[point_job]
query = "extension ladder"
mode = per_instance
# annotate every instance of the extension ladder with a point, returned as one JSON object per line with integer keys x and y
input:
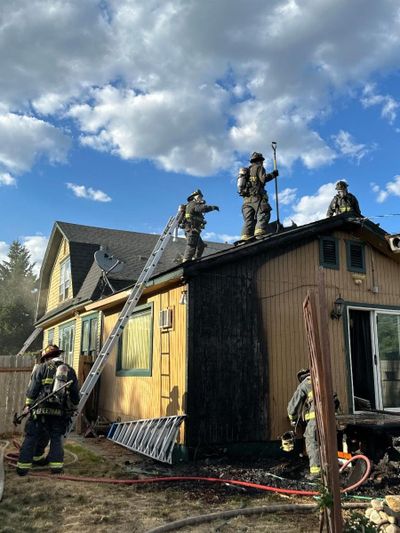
{"x": 154, "y": 437}
{"x": 126, "y": 312}
{"x": 29, "y": 340}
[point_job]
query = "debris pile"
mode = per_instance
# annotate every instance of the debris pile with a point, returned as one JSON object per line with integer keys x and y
{"x": 385, "y": 514}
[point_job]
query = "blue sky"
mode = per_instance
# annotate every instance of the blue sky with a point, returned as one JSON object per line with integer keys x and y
{"x": 112, "y": 112}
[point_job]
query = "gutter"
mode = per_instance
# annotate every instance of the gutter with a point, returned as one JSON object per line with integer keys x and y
{"x": 70, "y": 311}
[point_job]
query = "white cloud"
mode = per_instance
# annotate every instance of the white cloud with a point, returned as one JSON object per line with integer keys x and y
{"x": 347, "y": 147}
{"x": 24, "y": 139}
{"x": 4, "y": 247}
{"x": 388, "y": 103}
{"x": 286, "y": 196}
{"x": 392, "y": 188}
{"x": 36, "y": 244}
{"x": 312, "y": 207}
{"x": 188, "y": 85}
{"x": 7, "y": 179}
{"x": 87, "y": 192}
{"x": 219, "y": 237}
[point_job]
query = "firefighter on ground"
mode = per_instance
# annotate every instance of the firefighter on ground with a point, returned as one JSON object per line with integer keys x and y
{"x": 343, "y": 202}
{"x": 255, "y": 209}
{"x": 50, "y": 419}
{"x": 301, "y": 406}
{"x": 194, "y": 223}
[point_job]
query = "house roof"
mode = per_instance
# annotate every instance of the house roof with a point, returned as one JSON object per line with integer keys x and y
{"x": 132, "y": 248}
{"x": 278, "y": 243}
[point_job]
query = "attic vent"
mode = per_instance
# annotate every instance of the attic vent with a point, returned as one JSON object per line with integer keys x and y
{"x": 328, "y": 251}
{"x": 355, "y": 256}
{"x": 165, "y": 318}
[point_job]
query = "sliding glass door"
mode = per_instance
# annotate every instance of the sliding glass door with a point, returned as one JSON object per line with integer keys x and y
{"x": 388, "y": 353}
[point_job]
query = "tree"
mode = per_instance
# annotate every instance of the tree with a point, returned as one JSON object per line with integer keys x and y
{"x": 18, "y": 295}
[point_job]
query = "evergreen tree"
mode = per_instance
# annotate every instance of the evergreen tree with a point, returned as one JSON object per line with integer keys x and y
{"x": 18, "y": 295}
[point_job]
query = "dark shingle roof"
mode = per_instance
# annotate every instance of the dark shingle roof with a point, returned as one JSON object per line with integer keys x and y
{"x": 131, "y": 247}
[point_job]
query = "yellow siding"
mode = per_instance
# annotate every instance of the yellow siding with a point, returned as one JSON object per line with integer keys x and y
{"x": 53, "y": 294}
{"x": 163, "y": 393}
{"x": 283, "y": 283}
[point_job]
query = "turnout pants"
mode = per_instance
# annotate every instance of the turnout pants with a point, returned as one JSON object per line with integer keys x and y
{"x": 37, "y": 433}
{"x": 312, "y": 447}
{"x": 256, "y": 214}
{"x": 194, "y": 245}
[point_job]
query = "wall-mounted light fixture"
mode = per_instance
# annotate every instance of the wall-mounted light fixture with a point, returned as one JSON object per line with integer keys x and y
{"x": 183, "y": 298}
{"x": 338, "y": 307}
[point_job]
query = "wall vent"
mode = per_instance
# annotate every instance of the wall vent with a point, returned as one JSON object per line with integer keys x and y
{"x": 165, "y": 318}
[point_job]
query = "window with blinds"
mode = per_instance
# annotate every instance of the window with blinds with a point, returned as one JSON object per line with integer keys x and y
{"x": 135, "y": 347}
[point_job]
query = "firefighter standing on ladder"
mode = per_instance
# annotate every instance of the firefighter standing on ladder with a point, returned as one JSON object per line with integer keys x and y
{"x": 51, "y": 417}
{"x": 194, "y": 223}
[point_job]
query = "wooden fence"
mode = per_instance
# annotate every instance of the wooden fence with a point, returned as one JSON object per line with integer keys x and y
{"x": 15, "y": 372}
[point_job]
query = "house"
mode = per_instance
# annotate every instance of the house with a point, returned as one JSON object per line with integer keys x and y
{"x": 70, "y": 280}
{"x": 222, "y": 338}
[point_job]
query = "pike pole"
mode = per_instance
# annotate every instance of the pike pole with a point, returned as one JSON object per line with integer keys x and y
{"x": 273, "y": 144}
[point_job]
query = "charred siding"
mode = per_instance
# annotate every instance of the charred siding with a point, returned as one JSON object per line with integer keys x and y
{"x": 228, "y": 363}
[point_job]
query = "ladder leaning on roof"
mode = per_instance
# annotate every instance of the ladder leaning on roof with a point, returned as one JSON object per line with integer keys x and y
{"x": 29, "y": 340}
{"x": 126, "y": 312}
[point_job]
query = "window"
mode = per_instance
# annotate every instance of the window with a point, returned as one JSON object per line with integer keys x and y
{"x": 355, "y": 256}
{"x": 89, "y": 335}
{"x": 65, "y": 280}
{"x": 67, "y": 342}
{"x": 50, "y": 336}
{"x": 136, "y": 343}
{"x": 329, "y": 252}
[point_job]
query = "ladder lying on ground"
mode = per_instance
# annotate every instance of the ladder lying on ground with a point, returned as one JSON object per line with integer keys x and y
{"x": 154, "y": 437}
{"x": 126, "y": 312}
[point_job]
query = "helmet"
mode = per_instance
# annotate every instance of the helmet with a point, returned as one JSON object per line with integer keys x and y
{"x": 197, "y": 192}
{"x": 302, "y": 374}
{"x": 256, "y": 156}
{"x": 52, "y": 350}
{"x": 341, "y": 185}
{"x": 243, "y": 171}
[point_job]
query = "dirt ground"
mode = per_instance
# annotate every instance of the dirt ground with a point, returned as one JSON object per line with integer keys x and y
{"x": 33, "y": 504}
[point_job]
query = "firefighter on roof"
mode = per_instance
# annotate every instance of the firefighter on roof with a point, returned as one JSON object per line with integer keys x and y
{"x": 251, "y": 186}
{"x": 51, "y": 417}
{"x": 343, "y": 202}
{"x": 194, "y": 223}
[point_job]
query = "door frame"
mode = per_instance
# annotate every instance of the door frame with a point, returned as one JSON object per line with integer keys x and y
{"x": 372, "y": 309}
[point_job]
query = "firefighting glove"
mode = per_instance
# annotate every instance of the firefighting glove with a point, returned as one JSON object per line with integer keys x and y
{"x": 275, "y": 173}
{"x": 215, "y": 208}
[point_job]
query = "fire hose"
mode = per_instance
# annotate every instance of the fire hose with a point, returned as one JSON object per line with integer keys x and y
{"x": 11, "y": 457}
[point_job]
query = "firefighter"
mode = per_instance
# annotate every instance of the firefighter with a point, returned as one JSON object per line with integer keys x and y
{"x": 52, "y": 416}
{"x": 194, "y": 223}
{"x": 301, "y": 406}
{"x": 343, "y": 202}
{"x": 256, "y": 209}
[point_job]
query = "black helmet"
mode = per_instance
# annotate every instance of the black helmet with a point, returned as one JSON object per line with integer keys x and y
{"x": 256, "y": 156}
{"x": 302, "y": 374}
{"x": 197, "y": 192}
{"x": 341, "y": 185}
